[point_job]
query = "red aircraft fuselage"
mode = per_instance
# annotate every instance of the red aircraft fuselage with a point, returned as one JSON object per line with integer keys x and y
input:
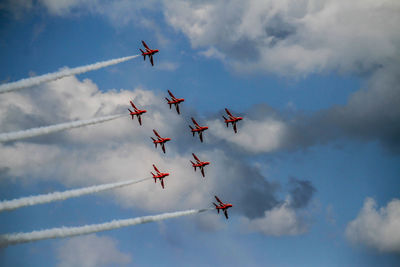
{"x": 222, "y": 206}
{"x": 200, "y": 164}
{"x": 176, "y": 101}
{"x": 150, "y": 52}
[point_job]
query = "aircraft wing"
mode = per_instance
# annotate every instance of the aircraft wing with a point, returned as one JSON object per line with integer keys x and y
{"x": 155, "y": 168}
{"x": 173, "y": 97}
{"x": 177, "y": 109}
{"x": 139, "y": 119}
{"x": 195, "y": 123}
{"x": 151, "y": 60}
{"x": 133, "y": 105}
{"x": 162, "y": 183}
{"x": 155, "y": 132}
{"x": 202, "y": 171}
{"x": 163, "y": 147}
{"x": 234, "y": 127}
{"x": 218, "y": 200}
{"x": 201, "y": 136}
{"x": 195, "y": 157}
{"x": 229, "y": 113}
{"x": 145, "y": 45}
{"x": 226, "y": 213}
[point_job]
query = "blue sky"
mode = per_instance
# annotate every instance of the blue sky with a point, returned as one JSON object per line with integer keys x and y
{"x": 319, "y": 135}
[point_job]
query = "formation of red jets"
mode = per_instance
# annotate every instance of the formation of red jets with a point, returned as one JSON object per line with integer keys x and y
{"x": 196, "y": 128}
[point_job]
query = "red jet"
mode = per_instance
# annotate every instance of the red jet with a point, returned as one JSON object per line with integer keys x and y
{"x": 198, "y": 129}
{"x": 232, "y": 119}
{"x": 175, "y": 101}
{"x": 222, "y": 206}
{"x": 159, "y": 175}
{"x": 137, "y": 112}
{"x": 199, "y": 164}
{"x": 149, "y": 52}
{"x": 160, "y": 140}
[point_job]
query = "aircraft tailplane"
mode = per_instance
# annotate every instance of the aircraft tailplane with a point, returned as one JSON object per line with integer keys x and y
{"x": 227, "y": 123}
{"x": 216, "y": 207}
{"x": 144, "y": 56}
{"x": 131, "y": 112}
{"x": 191, "y": 129}
{"x": 154, "y": 141}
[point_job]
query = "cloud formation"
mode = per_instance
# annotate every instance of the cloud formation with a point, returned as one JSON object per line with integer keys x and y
{"x": 377, "y": 228}
{"x": 91, "y": 251}
{"x": 291, "y": 38}
{"x": 281, "y": 220}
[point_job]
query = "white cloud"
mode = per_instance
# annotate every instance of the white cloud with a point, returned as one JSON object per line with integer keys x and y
{"x": 91, "y": 251}
{"x": 284, "y": 37}
{"x": 252, "y": 136}
{"x": 281, "y": 220}
{"x": 212, "y": 52}
{"x": 168, "y": 66}
{"x": 377, "y": 228}
{"x": 289, "y": 37}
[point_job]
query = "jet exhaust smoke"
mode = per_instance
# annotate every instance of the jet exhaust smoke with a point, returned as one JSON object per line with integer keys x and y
{"x": 13, "y": 136}
{"x": 55, "y": 196}
{"x": 28, "y": 82}
{"x": 16, "y": 238}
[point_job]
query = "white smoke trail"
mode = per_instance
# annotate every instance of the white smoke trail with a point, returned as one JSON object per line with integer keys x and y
{"x": 16, "y": 238}
{"x": 13, "y": 136}
{"x": 28, "y": 82}
{"x": 55, "y": 196}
